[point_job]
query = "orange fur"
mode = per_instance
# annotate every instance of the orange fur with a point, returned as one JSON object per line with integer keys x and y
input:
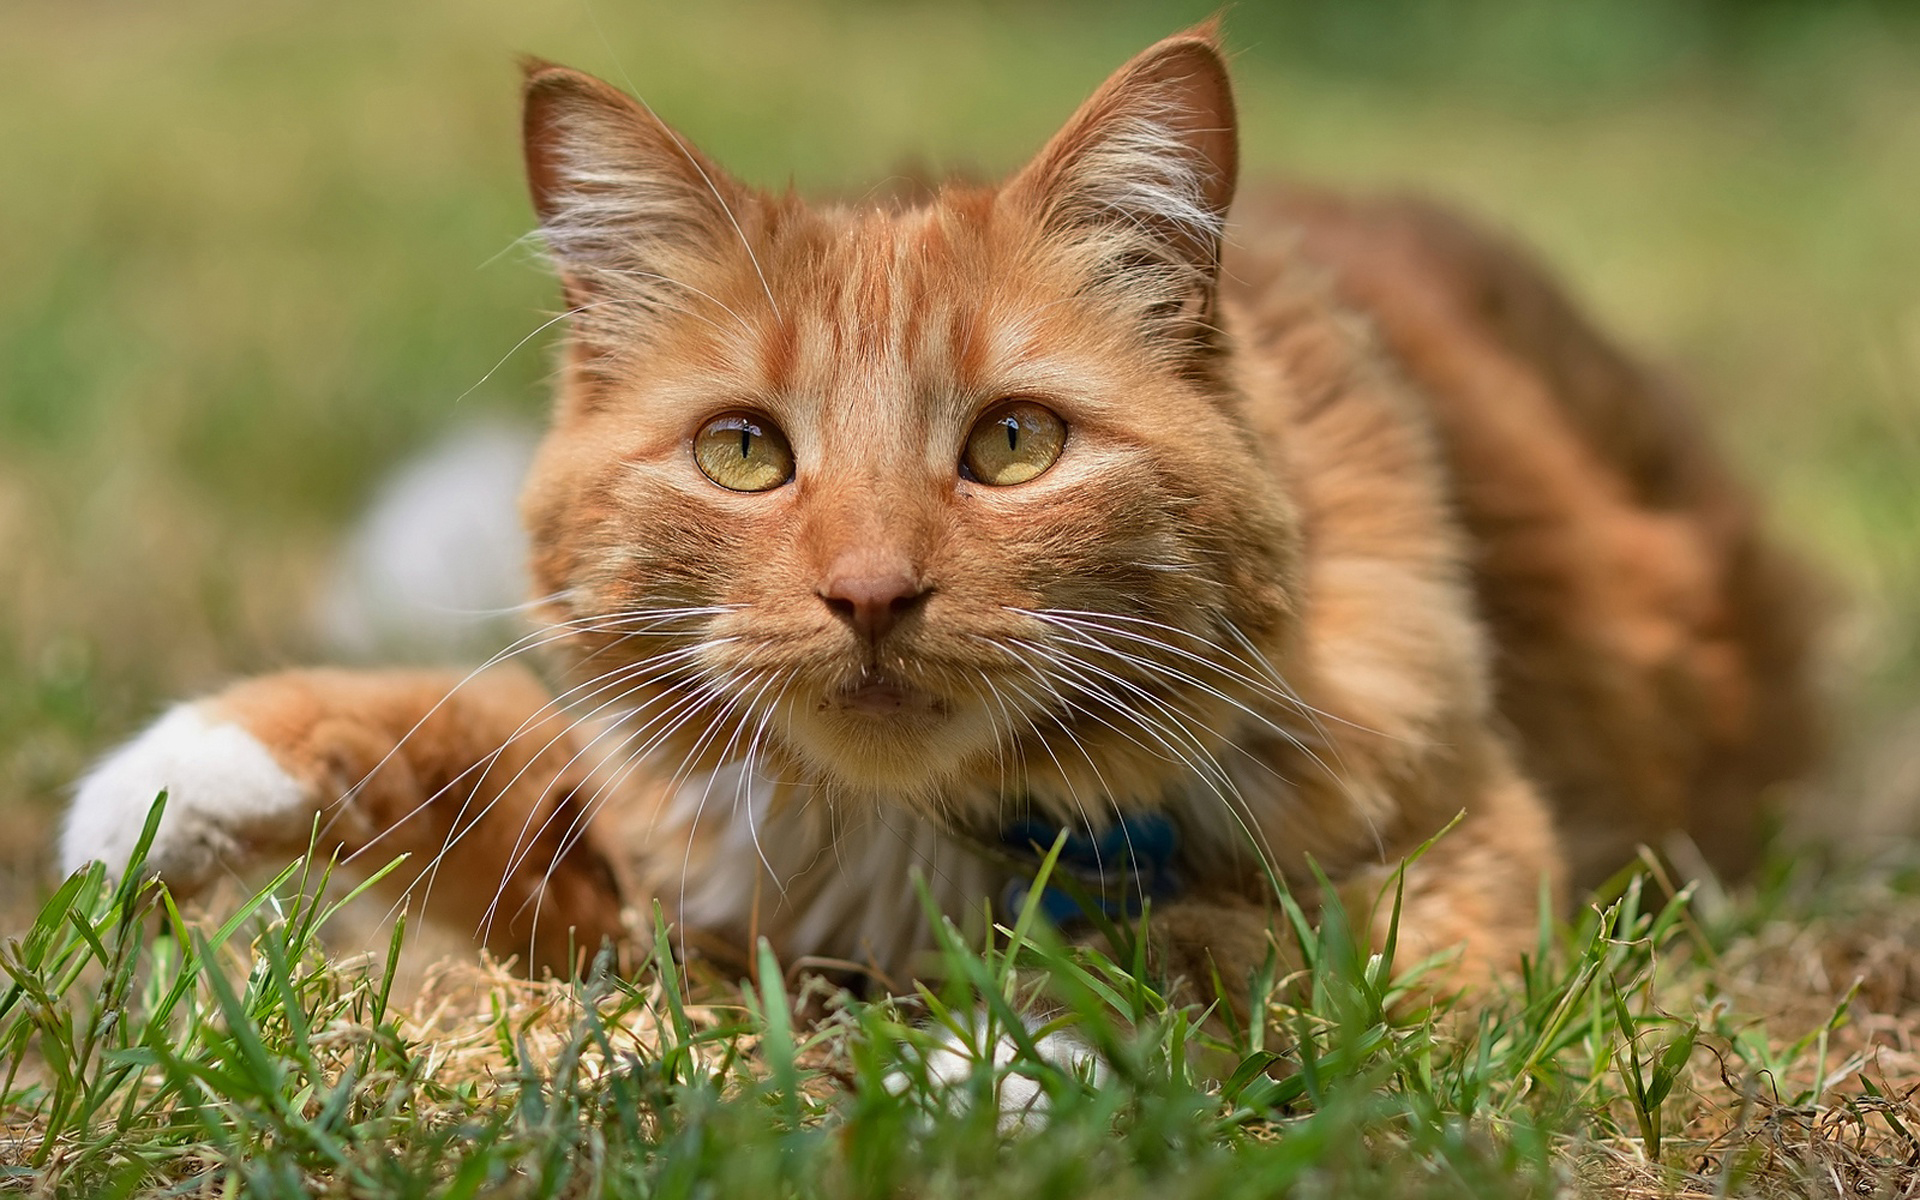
{"x": 1358, "y": 527}
{"x": 401, "y": 761}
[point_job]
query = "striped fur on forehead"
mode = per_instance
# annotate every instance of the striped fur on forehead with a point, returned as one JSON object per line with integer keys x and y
{"x": 865, "y": 292}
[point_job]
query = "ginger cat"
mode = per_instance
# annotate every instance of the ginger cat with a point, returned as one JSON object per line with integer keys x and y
{"x": 895, "y": 537}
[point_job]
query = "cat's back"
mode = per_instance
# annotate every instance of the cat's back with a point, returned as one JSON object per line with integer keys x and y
{"x": 1650, "y": 647}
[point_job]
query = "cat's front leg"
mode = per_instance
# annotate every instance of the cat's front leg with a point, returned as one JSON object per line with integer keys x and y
{"x": 481, "y": 780}
{"x": 1470, "y": 900}
{"x": 1475, "y": 894}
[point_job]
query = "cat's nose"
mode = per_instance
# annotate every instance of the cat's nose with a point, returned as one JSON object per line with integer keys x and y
{"x": 871, "y": 598}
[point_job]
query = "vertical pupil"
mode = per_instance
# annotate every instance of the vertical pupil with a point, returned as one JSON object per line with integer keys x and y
{"x": 746, "y": 439}
{"x": 1013, "y": 432}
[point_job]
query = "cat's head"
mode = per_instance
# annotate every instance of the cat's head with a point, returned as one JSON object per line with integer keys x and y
{"x": 929, "y": 502}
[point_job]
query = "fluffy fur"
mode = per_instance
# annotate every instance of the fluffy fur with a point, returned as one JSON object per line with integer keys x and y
{"x": 1358, "y": 529}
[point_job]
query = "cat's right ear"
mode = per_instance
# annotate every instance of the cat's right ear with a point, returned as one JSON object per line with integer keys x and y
{"x": 624, "y": 201}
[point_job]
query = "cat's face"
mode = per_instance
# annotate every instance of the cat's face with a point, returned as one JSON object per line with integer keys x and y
{"x": 929, "y": 503}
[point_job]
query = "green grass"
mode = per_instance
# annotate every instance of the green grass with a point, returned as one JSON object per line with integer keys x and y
{"x": 257, "y": 254}
{"x": 149, "y": 1053}
{"x": 242, "y": 1061}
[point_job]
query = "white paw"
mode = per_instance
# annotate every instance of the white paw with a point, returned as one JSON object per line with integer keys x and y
{"x": 220, "y": 781}
{"x": 1021, "y": 1099}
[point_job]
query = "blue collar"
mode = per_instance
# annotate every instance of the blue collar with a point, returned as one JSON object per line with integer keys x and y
{"x": 1129, "y": 863}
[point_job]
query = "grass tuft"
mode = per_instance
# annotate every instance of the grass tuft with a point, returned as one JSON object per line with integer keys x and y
{"x": 147, "y": 1051}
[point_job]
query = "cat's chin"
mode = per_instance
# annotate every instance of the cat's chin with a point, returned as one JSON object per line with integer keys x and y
{"x": 884, "y": 737}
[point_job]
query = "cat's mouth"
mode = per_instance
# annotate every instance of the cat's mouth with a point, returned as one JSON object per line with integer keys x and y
{"x": 878, "y": 694}
{"x": 883, "y": 733}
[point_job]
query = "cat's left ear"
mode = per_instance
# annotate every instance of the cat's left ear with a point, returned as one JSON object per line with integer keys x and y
{"x": 1144, "y": 173}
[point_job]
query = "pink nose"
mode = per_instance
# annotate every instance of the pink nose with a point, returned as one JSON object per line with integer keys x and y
{"x": 872, "y": 601}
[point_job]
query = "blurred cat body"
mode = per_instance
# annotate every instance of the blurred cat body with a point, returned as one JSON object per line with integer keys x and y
{"x": 1351, "y": 528}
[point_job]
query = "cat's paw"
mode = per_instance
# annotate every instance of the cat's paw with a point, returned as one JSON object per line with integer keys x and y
{"x": 1021, "y": 1099}
{"x": 220, "y": 782}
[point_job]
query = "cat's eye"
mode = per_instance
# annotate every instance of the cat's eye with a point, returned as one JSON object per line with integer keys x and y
{"x": 1015, "y": 441}
{"x": 743, "y": 452}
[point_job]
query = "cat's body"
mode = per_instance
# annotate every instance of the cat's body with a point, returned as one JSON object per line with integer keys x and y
{"x": 1299, "y": 550}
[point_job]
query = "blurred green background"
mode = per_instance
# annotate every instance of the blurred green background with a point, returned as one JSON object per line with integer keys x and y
{"x": 254, "y": 254}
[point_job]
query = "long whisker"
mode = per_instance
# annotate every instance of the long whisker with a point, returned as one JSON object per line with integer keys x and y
{"x": 1253, "y": 658}
{"x": 534, "y": 640}
{"x": 599, "y": 625}
{"x": 726, "y": 755}
{"x": 678, "y": 778}
{"x": 1079, "y": 621}
{"x": 1079, "y": 636}
{"x": 1073, "y": 793}
{"x": 539, "y": 329}
{"x": 1090, "y": 677}
{"x": 682, "y": 285}
{"x": 1172, "y": 735}
{"x": 651, "y": 672}
{"x": 683, "y": 708}
{"x": 746, "y": 783}
{"x": 1078, "y": 633}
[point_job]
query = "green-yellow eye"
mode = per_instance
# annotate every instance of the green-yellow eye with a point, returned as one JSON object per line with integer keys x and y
{"x": 743, "y": 453}
{"x": 1015, "y": 441}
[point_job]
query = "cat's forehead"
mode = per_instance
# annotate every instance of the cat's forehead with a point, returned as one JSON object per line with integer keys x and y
{"x": 898, "y": 306}
{"x": 869, "y": 289}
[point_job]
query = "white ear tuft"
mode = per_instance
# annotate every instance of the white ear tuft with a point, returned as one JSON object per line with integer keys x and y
{"x": 1145, "y": 171}
{"x": 624, "y": 201}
